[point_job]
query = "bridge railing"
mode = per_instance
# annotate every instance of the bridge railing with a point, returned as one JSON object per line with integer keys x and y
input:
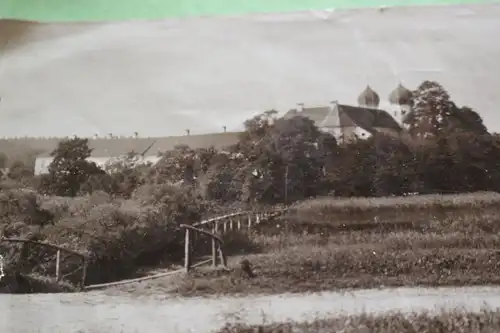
{"x": 239, "y": 221}
{"x": 59, "y": 250}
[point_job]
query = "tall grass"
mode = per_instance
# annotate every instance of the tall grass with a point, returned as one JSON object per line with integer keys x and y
{"x": 452, "y": 249}
{"x": 429, "y": 201}
{"x": 457, "y": 321}
{"x": 393, "y": 209}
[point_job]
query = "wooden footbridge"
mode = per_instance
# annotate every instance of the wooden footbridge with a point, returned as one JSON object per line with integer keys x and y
{"x": 214, "y": 228}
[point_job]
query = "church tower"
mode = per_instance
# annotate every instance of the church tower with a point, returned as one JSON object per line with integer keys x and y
{"x": 369, "y": 98}
{"x": 401, "y": 100}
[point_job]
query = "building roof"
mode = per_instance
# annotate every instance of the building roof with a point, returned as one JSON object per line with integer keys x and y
{"x": 323, "y": 116}
{"x": 316, "y": 114}
{"x": 119, "y": 146}
{"x": 347, "y": 116}
{"x": 370, "y": 119}
{"x": 216, "y": 140}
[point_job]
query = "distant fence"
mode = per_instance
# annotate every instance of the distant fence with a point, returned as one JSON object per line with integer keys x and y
{"x": 59, "y": 250}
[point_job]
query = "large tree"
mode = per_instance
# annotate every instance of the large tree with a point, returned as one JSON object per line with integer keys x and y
{"x": 434, "y": 113}
{"x": 286, "y": 159}
{"x": 70, "y": 169}
{"x": 432, "y": 107}
{"x": 465, "y": 119}
{"x": 463, "y": 162}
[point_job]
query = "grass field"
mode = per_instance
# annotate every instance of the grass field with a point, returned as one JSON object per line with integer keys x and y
{"x": 486, "y": 321}
{"x": 456, "y": 243}
{"x": 393, "y": 209}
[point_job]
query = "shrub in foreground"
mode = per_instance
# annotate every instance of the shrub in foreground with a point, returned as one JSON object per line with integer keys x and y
{"x": 117, "y": 235}
{"x": 15, "y": 283}
{"x": 21, "y": 206}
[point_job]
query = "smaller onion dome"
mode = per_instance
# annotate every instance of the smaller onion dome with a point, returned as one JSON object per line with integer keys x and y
{"x": 369, "y": 98}
{"x": 401, "y": 96}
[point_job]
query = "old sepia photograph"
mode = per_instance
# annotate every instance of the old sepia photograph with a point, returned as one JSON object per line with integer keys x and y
{"x": 235, "y": 167}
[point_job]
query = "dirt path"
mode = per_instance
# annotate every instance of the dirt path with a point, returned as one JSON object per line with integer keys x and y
{"x": 98, "y": 312}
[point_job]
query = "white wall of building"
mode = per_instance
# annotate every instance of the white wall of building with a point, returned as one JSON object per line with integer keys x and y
{"x": 42, "y": 163}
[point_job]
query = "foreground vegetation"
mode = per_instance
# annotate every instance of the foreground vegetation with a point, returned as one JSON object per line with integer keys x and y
{"x": 126, "y": 216}
{"x": 444, "y": 322}
{"x": 457, "y": 248}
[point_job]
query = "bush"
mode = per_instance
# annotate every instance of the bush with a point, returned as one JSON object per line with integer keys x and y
{"x": 118, "y": 235}
{"x": 21, "y": 207}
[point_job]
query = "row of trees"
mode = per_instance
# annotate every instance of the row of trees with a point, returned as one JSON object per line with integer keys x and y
{"x": 444, "y": 148}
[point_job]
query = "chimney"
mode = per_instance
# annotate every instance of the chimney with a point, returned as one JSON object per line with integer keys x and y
{"x": 224, "y": 127}
{"x": 300, "y": 107}
{"x": 136, "y": 135}
{"x": 188, "y": 132}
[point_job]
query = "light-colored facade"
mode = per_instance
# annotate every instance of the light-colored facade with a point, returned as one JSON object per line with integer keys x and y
{"x": 105, "y": 163}
{"x": 106, "y": 152}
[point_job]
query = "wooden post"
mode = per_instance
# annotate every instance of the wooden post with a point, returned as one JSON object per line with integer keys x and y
{"x": 222, "y": 255}
{"x": 249, "y": 222}
{"x": 84, "y": 273}
{"x": 58, "y": 267}
{"x": 257, "y": 218}
{"x": 225, "y": 226}
{"x": 214, "y": 245}
{"x": 187, "y": 251}
{"x": 231, "y": 226}
{"x": 239, "y": 223}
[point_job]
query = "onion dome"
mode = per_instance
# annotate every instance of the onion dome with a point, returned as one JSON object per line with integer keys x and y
{"x": 369, "y": 98}
{"x": 401, "y": 96}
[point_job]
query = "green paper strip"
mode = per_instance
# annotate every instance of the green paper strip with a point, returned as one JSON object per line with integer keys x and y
{"x": 99, "y": 10}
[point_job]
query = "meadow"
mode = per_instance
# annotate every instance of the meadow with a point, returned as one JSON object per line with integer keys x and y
{"x": 329, "y": 243}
